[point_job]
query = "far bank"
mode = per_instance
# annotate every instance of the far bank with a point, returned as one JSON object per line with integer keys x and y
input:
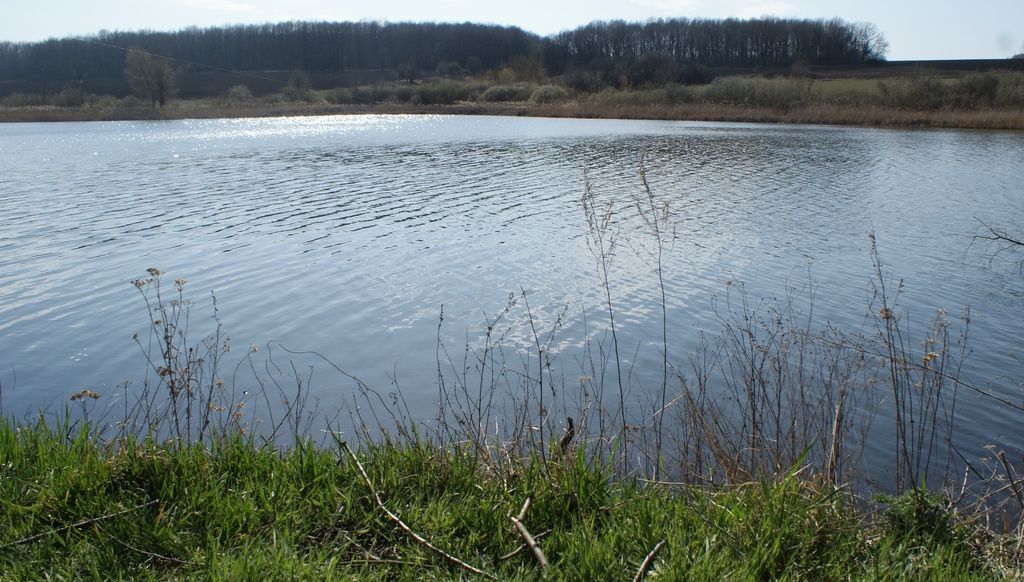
{"x": 989, "y": 100}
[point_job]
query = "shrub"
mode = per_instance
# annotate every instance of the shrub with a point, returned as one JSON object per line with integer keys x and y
{"x": 777, "y": 93}
{"x": 404, "y": 93}
{"x": 274, "y": 99}
{"x": 615, "y": 97}
{"x": 676, "y": 94}
{"x": 133, "y": 102}
{"x": 101, "y": 102}
{"x": 448, "y": 92}
{"x": 1011, "y": 90}
{"x": 337, "y": 96}
{"x": 915, "y": 93}
{"x": 22, "y": 100}
{"x": 237, "y": 95}
{"x": 362, "y": 96}
{"x": 548, "y": 94}
{"x": 70, "y": 96}
{"x": 297, "y": 94}
{"x": 977, "y": 89}
{"x": 501, "y": 93}
{"x": 368, "y": 95}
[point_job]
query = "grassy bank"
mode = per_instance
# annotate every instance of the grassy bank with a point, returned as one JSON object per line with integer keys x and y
{"x": 75, "y": 507}
{"x": 993, "y": 100}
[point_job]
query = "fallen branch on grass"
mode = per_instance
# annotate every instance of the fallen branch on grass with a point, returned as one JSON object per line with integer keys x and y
{"x": 77, "y": 525}
{"x": 523, "y": 546}
{"x": 531, "y": 542}
{"x": 642, "y": 571}
{"x": 398, "y": 521}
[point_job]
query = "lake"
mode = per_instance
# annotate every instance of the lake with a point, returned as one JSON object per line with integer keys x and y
{"x": 348, "y": 235}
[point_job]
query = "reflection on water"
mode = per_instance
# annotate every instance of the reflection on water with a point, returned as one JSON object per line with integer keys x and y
{"x": 347, "y": 235}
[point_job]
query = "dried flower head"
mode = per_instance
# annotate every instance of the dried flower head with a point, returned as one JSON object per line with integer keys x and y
{"x": 154, "y": 271}
{"x": 83, "y": 394}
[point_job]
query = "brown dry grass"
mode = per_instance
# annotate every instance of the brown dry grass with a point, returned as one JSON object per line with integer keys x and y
{"x": 824, "y": 114}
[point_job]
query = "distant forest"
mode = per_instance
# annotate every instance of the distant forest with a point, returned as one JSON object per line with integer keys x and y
{"x": 417, "y": 49}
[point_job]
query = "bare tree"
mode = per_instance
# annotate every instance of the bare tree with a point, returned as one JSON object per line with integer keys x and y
{"x": 150, "y": 76}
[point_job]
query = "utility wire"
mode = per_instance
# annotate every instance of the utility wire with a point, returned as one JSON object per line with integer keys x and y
{"x": 179, "y": 60}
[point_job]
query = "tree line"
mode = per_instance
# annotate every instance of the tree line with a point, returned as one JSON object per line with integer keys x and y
{"x": 426, "y": 48}
{"x": 764, "y": 42}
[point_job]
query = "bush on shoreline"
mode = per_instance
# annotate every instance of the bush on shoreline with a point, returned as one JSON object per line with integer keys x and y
{"x": 990, "y": 100}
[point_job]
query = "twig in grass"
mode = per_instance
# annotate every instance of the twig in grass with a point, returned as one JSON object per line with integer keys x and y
{"x": 79, "y": 524}
{"x": 531, "y": 541}
{"x": 522, "y": 547}
{"x": 524, "y": 509}
{"x": 384, "y": 561}
{"x": 642, "y": 571}
{"x": 151, "y": 554}
{"x": 398, "y": 521}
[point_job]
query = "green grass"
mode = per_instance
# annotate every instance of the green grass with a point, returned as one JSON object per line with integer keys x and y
{"x": 231, "y": 510}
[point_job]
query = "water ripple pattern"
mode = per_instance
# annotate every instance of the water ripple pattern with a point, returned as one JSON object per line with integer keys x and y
{"x": 347, "y": 235}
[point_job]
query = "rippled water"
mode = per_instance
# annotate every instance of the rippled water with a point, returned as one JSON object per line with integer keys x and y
{"x": 346, "y": 235}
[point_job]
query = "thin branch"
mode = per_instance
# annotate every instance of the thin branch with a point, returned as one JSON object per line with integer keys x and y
{"x": 398, "y": 521}
{"x": 531, "y": 542}
{"x": 522, "y": 547}
{"x": 997, "y": 235}
{"x": 77, "y": 525}
{"x": 153, "y": 555}
{"x": 642, "y": 571}
{"x": 1012, "y": 478}
{"x": 525, "y": 508}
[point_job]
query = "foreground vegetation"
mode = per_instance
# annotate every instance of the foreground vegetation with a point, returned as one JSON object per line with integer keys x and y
{"x": 75, "y": 507}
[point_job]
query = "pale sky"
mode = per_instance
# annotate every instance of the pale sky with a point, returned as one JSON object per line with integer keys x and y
{"x": 915, "y": 29}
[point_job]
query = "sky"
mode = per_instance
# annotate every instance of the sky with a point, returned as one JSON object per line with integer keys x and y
{"x": 915, "y": 29}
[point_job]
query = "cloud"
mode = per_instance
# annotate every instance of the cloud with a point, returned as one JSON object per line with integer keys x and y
{"x": 771, "y": 7}
{"x": 220, "y": 5}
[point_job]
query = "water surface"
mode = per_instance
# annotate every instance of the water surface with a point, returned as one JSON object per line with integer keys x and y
{"x": 346, "y": 235}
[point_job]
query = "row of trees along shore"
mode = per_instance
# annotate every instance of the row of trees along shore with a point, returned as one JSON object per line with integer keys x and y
{"x": 409, "y": 49}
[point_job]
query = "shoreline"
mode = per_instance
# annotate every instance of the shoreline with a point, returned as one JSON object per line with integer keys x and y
{"x": 230, "y": 508}
{"x": 815, "y": 114}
